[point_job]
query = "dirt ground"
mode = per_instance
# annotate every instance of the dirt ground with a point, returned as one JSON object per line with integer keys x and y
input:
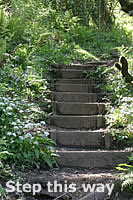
{"x": 65, "y": 177}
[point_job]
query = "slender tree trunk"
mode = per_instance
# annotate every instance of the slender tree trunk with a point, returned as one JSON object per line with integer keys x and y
{"x": 105, "y": 16}
{"x": 86, "y": 16}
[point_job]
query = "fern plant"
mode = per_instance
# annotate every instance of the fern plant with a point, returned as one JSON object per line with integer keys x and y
{"x": 127, "y": 176}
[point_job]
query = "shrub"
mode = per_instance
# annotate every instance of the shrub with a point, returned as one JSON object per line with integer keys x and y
{"x": 26, "y": 141}
{"x": 126, "y": 176}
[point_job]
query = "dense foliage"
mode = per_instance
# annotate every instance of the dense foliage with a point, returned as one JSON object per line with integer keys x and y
{"x": 120, "y": 111}
{"x": 23, "y": 85}
{"x": 126, "y": 176}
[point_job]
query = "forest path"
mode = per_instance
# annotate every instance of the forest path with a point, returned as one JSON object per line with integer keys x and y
{"x": 83, "y": 141}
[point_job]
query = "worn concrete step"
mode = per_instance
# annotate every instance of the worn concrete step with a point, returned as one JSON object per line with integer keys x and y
{"x": 91, "y": 159}
{"x": 83, "y": 66}
{"x": 77, "y": 97}
{"x": 70, "y": 108}
{"x": 78, "y": 122}
{"x": 84, "y": 88}
{"x": 76, "y": 66}
{"x": 77, "y": 81}
{"x": 79, "y": 139}
{"x": 67, "y": 74}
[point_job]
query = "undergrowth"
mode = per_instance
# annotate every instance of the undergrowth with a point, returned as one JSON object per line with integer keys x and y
{"x": 126, "y": 176}
{"x": 120, "y": 110}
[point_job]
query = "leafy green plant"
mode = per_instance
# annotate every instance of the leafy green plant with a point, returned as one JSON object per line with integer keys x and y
{"x": 2, "y": 193}
{"x": 127, "y": 176}
{"x": 26, "y": 141}
{"x": 120, "y": 110}
{"x": 120, "y": 121}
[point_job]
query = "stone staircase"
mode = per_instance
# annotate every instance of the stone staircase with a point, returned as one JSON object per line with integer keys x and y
{"x": 78, "y": 121}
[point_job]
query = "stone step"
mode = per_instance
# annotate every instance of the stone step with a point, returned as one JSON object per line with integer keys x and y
{"x": 64, "y": 178}
{"x": 70, "y": 108}
{"x": 91, "y": 159}
{"x": 78, "y": 122}
{"x": 83, "y": 88}
{"x": 77, "y": 81}
{"x": 67, "y": 74}
{"x": 79, "y": 139}
{"x": 77, "y": 97}
{"x": 74, "y": 66}
{"x": 84, "y": 66}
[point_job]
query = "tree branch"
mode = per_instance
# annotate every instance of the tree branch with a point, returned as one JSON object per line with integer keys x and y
{"x": 126, "y": 6}
{"x": 124, "y": 69}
